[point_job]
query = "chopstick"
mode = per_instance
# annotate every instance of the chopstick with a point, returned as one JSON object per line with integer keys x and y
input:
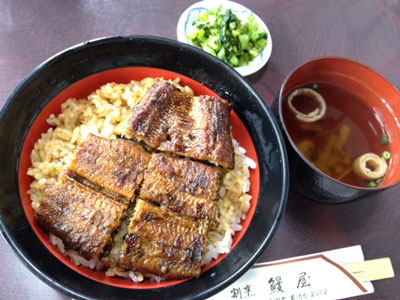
{"x": 371, "y": 270}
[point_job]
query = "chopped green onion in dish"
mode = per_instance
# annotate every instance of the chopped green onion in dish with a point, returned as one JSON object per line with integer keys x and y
{"x": 221, "y": 33}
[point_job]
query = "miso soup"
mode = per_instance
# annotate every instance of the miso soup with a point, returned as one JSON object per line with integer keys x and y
{"x": 348, "y": 129}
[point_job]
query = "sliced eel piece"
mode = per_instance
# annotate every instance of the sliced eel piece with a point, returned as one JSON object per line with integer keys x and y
{"x": 84, "y": 219}
{"x": 184, "y": 186}
{"x": 114, "y": 167}
{"x": 161, "y": 243}
{"x": 172, "y": 121}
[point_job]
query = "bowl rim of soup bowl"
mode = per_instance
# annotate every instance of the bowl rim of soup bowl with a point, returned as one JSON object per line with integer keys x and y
{"x": 353, "y": 62}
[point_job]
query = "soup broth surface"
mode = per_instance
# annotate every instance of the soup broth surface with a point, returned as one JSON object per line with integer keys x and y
{"x": 348, "y": 129}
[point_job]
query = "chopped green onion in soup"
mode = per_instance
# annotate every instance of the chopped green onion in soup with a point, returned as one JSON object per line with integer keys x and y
{"x": 384, "y": 139}
{"x": 386, "y": 155}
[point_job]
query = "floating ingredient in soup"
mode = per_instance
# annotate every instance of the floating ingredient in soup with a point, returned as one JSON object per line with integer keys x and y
{"x": 333, "y": 159}
{"x": 370, "y": 166}
{"x": 386, "y": 155}
{"x": 307, "y": 147}
{"x": 384, "y": 140}
{"x": 345, "y": 130}
{"x": 309, "y": 98}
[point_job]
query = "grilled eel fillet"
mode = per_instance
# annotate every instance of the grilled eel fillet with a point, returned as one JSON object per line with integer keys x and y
{"x": 174, "y": 122}
{"x": 114, "y": 167}
{"x": 184, "y": 186}
{"x": 84, "y": 219}
{"x": 161, "y": 243}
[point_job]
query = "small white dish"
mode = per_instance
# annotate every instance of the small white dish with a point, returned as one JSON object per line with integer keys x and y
{"x": 191, "y": 13}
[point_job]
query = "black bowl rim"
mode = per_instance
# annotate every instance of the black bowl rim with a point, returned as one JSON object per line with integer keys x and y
{"x": 305, "y": 160}
{"x": 281, "y": 148}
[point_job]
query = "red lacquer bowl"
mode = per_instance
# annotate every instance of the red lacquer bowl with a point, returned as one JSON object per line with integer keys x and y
{"x": 78, "y": 71}
{"x": 375, "y": 91}
{"x": 80, "y": 90}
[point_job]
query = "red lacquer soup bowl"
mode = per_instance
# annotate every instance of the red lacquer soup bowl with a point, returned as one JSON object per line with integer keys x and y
{"x": 77, "y": 72}
{"x": 376, "y": 95}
